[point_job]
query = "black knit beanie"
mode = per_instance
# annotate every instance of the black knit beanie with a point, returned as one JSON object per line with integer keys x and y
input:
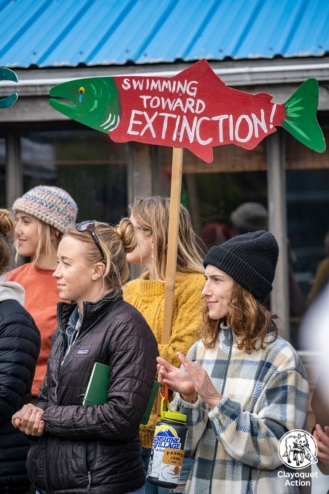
{"x": 250, "y": 259}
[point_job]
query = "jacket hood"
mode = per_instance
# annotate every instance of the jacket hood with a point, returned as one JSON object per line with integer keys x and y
{"x": 10, "y": 290}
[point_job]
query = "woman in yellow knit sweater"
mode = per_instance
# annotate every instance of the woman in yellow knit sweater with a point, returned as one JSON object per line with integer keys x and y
{"x": 150, "y": 217}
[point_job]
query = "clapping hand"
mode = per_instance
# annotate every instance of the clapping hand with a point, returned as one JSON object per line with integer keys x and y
{"x": 195, "y": 381}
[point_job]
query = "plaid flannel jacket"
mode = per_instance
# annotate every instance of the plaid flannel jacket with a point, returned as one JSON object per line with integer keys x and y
{"x": 265, "y": 394}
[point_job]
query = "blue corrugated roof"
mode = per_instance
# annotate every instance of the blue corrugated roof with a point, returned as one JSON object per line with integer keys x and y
{"x": 49, "y": 33}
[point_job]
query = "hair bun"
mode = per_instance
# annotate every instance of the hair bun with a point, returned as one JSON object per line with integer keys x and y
{"x": 7, "y": 223}
{"x": 126, "y": 232}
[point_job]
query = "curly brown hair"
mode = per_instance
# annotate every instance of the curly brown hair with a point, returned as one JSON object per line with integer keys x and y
{"x": 249, "y": 319}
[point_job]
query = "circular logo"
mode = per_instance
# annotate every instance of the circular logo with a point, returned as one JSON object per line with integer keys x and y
{"x": 297, "y": 449}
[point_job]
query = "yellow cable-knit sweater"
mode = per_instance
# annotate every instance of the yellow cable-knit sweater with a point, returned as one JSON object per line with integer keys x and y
{"x": 148, "y": 297}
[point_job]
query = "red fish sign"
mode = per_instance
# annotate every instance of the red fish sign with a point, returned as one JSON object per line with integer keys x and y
{"x": 193, "y": 110}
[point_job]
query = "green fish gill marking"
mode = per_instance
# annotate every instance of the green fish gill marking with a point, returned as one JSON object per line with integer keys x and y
{"x": 95, "y": 105}
{"x": 293, "y": 102}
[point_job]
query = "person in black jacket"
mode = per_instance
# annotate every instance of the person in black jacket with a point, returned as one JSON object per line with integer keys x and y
{"x": 19, "y": 350}
{"x": 93, "y": 448}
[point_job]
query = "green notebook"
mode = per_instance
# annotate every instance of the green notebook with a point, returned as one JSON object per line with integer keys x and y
{"x": 96, "y": 393}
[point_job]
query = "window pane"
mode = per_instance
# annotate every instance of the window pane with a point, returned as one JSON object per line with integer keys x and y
{"x": 88, "y": 164}
{"x": 212, "y": 191}
{"x": 307, "y": 180}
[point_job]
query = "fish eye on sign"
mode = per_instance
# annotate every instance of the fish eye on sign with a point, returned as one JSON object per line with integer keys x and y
{"x": 193, "y": 110}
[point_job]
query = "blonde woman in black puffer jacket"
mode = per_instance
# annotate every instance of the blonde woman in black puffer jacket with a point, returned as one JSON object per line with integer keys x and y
{"x": 92, "y": 448}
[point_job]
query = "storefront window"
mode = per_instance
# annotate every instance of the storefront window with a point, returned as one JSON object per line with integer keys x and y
{"x": 212, "y": 191}
{"x": 88, "y": 164}
{"x": 307, "y": 181}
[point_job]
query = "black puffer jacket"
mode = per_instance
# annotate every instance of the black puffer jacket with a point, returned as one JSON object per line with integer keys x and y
{"x": 19, "y": 350}
{"x": 95, "y": 449}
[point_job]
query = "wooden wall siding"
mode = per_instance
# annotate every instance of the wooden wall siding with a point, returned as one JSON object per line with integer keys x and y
{"x": 302, "y": 158}
{"x": 233, "y": 159}
{"x": 226, "y": 159}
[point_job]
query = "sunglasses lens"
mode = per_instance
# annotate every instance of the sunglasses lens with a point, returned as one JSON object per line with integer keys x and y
{"x": 88, "y": 226}
{"x": 85, "y": 226}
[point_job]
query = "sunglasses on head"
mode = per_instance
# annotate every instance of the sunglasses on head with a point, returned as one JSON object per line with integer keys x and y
{"x": 89, "y": 226}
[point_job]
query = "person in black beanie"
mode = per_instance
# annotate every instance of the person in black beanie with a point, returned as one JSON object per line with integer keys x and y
{"x": 242, "y": 386}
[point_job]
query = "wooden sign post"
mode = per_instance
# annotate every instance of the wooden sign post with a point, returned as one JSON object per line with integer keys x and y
{"x": 175, "y": 193}
{"x": 193, "y": 110}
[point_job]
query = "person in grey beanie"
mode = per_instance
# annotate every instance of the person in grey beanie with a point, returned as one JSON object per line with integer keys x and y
{"x": 42, "y": 215}
{"x": 242, "y": 386}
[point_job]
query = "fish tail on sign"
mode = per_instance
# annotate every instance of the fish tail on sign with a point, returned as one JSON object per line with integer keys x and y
{"x": 300, "y": 120}
{"x": 8, "y": 75}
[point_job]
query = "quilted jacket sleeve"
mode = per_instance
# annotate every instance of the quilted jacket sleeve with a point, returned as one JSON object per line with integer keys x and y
{"x": 133, "y": 352}
{"x": 19, "y": 350}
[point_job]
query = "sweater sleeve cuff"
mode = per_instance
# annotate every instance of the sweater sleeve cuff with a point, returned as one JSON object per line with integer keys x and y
{"x": 179, "y": 404}
{"x": 226, "y": 410}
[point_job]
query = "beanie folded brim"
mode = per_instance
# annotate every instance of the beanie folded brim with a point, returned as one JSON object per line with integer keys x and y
{"x": 241, "y": 272}
{"x": 49, "y": 204}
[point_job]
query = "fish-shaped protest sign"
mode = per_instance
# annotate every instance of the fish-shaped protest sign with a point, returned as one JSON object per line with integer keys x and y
{"x": 193, "y": 110}
{"x": 8, "y": 75}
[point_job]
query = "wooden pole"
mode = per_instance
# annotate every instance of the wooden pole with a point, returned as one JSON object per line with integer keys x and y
{"x": 175, "y": 193}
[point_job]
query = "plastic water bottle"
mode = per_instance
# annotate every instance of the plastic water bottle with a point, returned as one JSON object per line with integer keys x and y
{"x": 167, "y": 452}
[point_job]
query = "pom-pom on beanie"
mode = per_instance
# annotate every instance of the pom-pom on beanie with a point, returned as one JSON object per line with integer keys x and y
{"x": 250, "y": 259}
{"x": 51, "y": 205}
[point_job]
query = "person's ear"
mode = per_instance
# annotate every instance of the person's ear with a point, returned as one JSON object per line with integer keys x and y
{"x": 54, "y": 234}
{"x": 98, "y": 270}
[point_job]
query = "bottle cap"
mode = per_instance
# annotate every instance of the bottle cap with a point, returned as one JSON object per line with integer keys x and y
{"x": 180, "y": 417}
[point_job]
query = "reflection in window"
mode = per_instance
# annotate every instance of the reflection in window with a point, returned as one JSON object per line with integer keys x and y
{"x": 211, "y": 191}
{"x": 88, "y": 164}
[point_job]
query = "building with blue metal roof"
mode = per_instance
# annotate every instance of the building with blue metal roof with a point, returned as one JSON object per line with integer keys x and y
{"x": 61, "y": 33}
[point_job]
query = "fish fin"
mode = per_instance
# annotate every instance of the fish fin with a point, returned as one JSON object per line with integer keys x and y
{"x": 300, "y": 120}
{"x": 265, "y": 97}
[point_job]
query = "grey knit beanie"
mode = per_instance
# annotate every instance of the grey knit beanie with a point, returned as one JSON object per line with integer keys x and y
{"x": 250, "y": 217}
{"x": 51, "y": 205}
{"x": 250, "y": 259}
